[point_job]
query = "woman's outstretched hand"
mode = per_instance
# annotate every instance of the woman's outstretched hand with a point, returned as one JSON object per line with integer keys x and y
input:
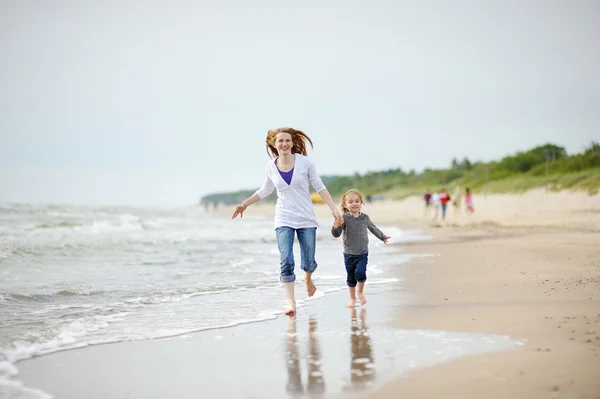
{"x": 385, "y": 240}
{"x": 239, "y": 210}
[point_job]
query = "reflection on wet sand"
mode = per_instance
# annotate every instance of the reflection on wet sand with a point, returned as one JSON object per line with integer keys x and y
{"x": 362, "y": 364}
{"x": 315, "y": 386}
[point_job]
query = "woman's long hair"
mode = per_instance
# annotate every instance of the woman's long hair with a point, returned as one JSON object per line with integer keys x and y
{"x": 299, "y": 140}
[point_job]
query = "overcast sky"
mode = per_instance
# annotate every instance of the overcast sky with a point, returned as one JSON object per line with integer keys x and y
{"x": 156, "y": 102}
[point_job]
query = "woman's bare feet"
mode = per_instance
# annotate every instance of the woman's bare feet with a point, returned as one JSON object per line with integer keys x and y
{"x": 310, "y": 286}
{"x": 352, "y": 303}
{"x": 289, "y": 293}
{"x": 291, "y": 310}
{"x": 361, "y": 298}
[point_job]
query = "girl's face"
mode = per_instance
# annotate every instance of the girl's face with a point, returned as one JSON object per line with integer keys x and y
{"x": 283, "y": 143}
{"x": 353, "y": 203}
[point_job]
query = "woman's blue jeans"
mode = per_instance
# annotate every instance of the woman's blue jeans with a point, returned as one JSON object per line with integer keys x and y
{"x": 307, "y": 238}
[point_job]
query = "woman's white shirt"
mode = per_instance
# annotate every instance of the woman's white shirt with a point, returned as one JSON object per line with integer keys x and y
{"x": 294, "y": 206}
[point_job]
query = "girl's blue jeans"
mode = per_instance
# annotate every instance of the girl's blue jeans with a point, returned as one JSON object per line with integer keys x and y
{"x": 307, "y": 238}
{"x": 356, "y": 268}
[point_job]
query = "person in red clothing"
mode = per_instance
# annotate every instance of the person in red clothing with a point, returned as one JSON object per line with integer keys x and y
{"x": 444, "y": 199}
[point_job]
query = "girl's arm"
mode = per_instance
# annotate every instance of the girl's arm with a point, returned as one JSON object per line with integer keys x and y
{"x": 376, "y": 232}
{"x": 338, "y": 227}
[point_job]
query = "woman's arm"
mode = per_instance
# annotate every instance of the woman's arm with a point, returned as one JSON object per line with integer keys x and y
{"x": 250, "y": 200}
{"x": 317, "y": 184}
{"x": 266, "y": 189}
{"x": 239, "y": 209}
{"x": 329, "y": 201}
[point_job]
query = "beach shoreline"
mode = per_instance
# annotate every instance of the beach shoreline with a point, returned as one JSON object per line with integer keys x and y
{"x": 523, "y": 265}
{"x": 534, "y": 281}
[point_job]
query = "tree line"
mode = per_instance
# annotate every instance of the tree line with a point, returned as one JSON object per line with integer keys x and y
{"x": 543, "y": 160}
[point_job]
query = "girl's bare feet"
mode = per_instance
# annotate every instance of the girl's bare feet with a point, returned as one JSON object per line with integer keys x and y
{"x": 361, "y": 298}
{"x": 359, "y": 290}
{"x": 352, "y": 291}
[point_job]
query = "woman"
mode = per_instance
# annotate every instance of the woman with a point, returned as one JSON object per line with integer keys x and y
{"x": 290, "y": 173}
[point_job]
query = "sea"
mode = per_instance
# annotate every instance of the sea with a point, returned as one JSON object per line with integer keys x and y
{"x": 75, "y": 276}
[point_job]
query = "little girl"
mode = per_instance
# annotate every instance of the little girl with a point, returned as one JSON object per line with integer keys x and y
{"x": 355, "y": 224}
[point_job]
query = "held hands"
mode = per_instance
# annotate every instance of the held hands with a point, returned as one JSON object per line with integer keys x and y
{"x": 239, "y": 210}
{"x": 338, "y": 222}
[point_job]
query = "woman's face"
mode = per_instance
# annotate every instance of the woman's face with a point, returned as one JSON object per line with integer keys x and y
{"x": 283, "y": 143}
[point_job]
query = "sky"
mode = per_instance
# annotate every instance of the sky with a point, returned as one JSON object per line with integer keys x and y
{"x": 158, "y": 103}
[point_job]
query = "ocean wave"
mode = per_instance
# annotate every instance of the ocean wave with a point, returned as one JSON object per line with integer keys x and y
{"x": 71, "y": 335}
{"x": 61, "y": 235}
{"x": 26, "y": 297}
{"x": 10, "y": 388}
{"x": 16, "y": 297}
{"x": 83, "y": 320}
{"x": 83, "y": 290}
{"x": 176, "y": 296}
{"x": 59, "y": 225}
{"x": 153, "y": 297}
{"x": 68, "y": 336}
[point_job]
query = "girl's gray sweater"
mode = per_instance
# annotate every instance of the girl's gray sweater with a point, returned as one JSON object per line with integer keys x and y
{"x": 356, "y": 236}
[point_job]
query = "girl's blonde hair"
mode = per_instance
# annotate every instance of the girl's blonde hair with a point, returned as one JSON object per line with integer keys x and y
{"x": 346, "y": 194}
{"x": 299, "y": 140}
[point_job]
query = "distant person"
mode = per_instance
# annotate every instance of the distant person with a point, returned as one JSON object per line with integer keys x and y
{"x": 291, "y": 173}
{"x": 435, "y": 203}
{"x": 444, "y": 199}
{"x": 356, "y": 226}
{"x": 457, "y": 199}
{"x": 469, "y": 201}
{"x": 427, "y": 199}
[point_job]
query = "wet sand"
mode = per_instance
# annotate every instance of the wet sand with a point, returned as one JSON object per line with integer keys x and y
{"x": 327, "y": 351}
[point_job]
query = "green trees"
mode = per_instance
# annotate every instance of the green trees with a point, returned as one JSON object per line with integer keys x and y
{"x": 534, "y": 167}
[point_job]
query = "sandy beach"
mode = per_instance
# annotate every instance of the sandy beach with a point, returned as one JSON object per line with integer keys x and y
{"x": 523, "y": 268}
{"x": 542, "y": 287}
{"x": 523, "y": 265}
